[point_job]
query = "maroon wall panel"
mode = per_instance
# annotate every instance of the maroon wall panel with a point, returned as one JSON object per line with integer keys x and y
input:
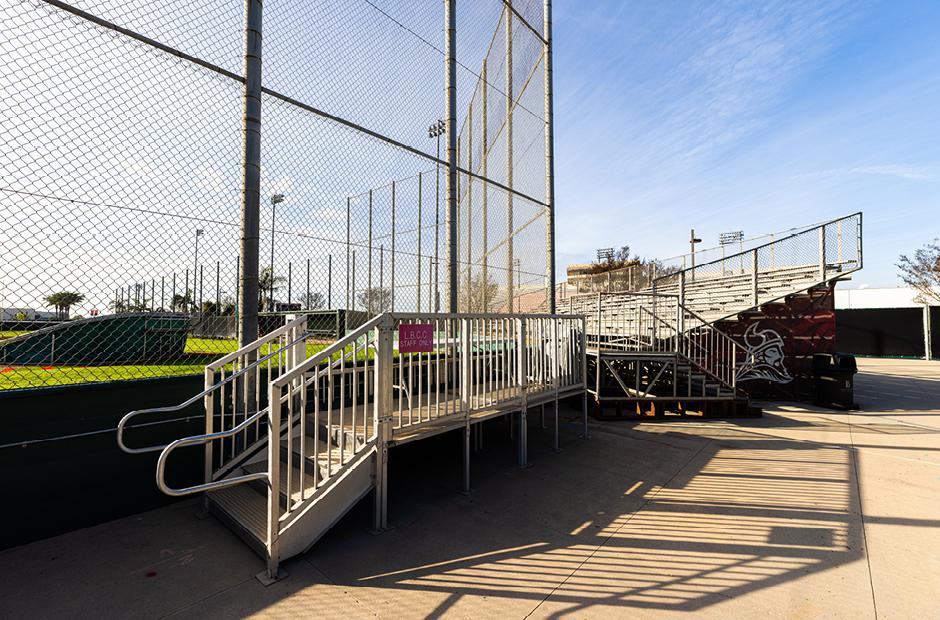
{"x": 783, "y": 337}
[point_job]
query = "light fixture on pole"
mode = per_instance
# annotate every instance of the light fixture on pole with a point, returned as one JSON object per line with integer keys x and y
{"x": 437, "y": 130}
{"x": 199, "y": 233}
{"x": 727, "y": 238}
{"x": 692, "y": 241}
{"x": 275, "y": 200}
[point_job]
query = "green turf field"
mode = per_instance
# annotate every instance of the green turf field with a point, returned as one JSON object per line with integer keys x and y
{"x": 198, "y": 353}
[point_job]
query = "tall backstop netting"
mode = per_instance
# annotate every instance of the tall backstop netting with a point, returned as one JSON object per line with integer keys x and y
{"x": 122, "y": 157}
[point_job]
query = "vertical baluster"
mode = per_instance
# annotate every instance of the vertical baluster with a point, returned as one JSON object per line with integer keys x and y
{"x": 447, "y": 388}
{"x": 342, "y": 408}
{"x": 289, "y": 409}
{"x": 365, "y": 386}
{"x": 437, "y": 370}
{"x": 316, "y": 428}
{"x": 354, "y": 384}
{"x": 420, "y": 367}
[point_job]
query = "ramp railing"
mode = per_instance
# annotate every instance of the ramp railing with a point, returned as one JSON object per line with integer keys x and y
{"x": 353, "y": 397}
{"x": 234, "y": 391}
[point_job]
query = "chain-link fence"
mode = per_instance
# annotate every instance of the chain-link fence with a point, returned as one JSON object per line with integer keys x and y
{"x": 122, "y": 160}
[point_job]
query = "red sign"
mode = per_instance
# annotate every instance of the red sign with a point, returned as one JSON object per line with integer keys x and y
{"x": 416, "y": 338}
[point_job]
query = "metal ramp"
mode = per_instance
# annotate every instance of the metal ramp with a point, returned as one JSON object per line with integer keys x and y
{"x": 294, "y": 439}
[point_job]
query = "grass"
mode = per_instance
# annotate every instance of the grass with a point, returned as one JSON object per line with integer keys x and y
{"x": 198, "y": 353}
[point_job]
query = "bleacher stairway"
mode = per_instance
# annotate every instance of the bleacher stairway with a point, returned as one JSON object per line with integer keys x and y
{"x": 660, "y": 349}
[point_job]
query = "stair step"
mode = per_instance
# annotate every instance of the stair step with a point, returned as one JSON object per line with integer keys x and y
{"x": 309, "y": 480}
{"x": 246, "y": 509}
{"x": 353, "y": 438}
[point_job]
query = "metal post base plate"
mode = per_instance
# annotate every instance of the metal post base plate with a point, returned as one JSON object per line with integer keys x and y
{"x": 267, "y": 580}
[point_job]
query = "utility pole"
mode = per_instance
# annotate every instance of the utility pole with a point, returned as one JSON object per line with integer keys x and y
{"x": 692, "y": 241}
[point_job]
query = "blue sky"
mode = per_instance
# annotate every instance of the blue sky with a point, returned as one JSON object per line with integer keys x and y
{"x": 754, "y": 116}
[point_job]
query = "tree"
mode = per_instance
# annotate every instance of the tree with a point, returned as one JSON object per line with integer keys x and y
{"x": 615, "y": 260}
{"x": 210, "y": 308}
{"x": 180, "y": 303}
{"x": 63, "y": 302}
{"x": 267, "y": 287}
{"x": 922, "y": 272}
{"x": 228, "y": 306}
{"x": 375, "y": 300}
{"x": 479, "y": 296}
{"x": 313, "y": 301}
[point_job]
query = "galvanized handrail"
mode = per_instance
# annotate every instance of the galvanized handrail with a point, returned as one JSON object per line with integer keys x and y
{"x": 196, "y": 440}
{"x": 728, "y": 347}
{"x": 317, "y": 358}
{"x": 257, "y": 344}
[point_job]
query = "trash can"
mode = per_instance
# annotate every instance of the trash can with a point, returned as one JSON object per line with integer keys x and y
{"x": 834, "y": 378}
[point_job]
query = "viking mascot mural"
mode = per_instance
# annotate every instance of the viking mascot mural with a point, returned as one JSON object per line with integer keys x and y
{"x": 764, "y": 358}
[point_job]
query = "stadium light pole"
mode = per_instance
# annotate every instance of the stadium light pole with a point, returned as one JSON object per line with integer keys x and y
{"x": 275, "y": 200}
{"x": 692, "y": 241}
{"x": 436, "y": 131}
{"x": 199, "y": 233}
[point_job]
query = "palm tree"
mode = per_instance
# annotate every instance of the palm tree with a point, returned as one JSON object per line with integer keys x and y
{"x": 179, "y": 303}
{"x": 63, "y": 302}
{"x": 267, "y": 286}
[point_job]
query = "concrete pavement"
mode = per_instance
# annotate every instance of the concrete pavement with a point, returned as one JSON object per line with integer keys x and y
{"x": 804, "y": 513}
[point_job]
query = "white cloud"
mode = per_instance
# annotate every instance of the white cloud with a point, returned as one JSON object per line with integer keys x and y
{"x": 901, "y": 171}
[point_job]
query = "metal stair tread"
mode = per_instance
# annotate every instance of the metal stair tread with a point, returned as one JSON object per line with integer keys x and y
{"x": 246, "y": 506}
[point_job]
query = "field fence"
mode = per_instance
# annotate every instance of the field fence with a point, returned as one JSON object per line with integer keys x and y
{"x": 122, "y": 159}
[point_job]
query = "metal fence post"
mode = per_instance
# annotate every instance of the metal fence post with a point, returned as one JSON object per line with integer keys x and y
{"x": 754, "y": 289}
{"x": 274, "y": 479}
{"x": 583, "y": 361}
{"x": 382, "y": 414}
{"x": 369, "y": 291}
{"x": 465, "y": 388}
{"x": 348, "y": 213}
{"x": 822, "y": 252}
{"x": 523, "y": 396}
{"x": 928, "y": 337}
{"x": 420, "y": 226}
{"x": 251, "y": 204}
{"x": 549, "y": 154}
{"x": 556, "y": 371}
{"x": 599, "y": 317}
{"x": 510, "y": 258}
{"x": 209, "y": 403}
{"x": 484, "y": 154}
{"x": 450, "y": 73}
